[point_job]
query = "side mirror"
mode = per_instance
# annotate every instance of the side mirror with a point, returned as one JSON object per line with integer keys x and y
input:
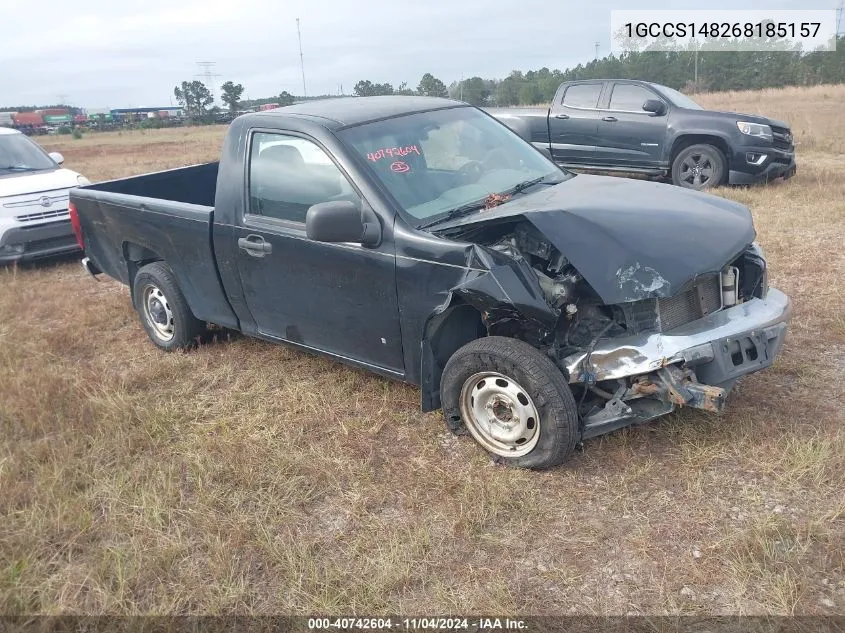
{"x": 654, "y": 106}
{"x": 57, "y": 158}
{"x": 342, "y": 221}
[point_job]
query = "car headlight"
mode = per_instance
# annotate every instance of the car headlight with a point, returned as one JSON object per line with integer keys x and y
{"x": 82, "y": 181}
{"x": 755, "y": 129}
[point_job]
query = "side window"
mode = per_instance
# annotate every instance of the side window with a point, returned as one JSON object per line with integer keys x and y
{"x": 582, "y": 95}
{"x": 629, "y": 97}
{"x": 288, "y": 174}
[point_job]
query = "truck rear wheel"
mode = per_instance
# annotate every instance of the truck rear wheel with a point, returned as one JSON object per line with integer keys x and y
{"x": 699, "y": 167}
{"x": 513, "y": 400}
{"x": 164, "y": 312}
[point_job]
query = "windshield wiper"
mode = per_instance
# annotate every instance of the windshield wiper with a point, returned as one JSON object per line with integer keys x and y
{"x": 524, "y": 185}
{"x": 464, "y": 209}
{"x": 16, "y": 168}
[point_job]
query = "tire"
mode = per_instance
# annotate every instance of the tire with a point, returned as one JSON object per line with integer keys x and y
{"x": 164, "y": 312}
{"x": 492, "y": 388}
{"x": 710, "y": 164}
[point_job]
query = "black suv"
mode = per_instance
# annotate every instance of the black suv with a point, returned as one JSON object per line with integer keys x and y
{"x": 640, "y": 127}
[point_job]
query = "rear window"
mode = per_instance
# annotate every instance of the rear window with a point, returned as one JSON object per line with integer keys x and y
{"x": 582, "y": 95}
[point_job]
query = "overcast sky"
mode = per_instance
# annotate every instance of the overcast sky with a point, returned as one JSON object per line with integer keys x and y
{"x": 107, "y": 53}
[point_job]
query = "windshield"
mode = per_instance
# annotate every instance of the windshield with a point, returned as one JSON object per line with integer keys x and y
{"x": 19, "y": 153}
{"x": 442, "y": 160}
{"x": 678, "y": 98}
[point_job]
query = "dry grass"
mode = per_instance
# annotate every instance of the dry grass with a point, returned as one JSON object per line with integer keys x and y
{"x": 246, "y": 477}
{"x": 815, "y": 113}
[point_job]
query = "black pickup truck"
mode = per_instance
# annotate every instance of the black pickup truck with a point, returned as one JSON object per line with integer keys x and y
{"x": 422, "y": 240}
{"x": 640, "y": 127}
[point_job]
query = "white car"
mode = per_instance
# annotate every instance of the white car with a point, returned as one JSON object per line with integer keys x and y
{"x": 34, "y": 220}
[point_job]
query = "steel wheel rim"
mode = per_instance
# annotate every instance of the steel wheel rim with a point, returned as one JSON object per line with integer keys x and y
{"x": 157, "y": 312}
{"x": 697, "y": 169}
{"x": 500, "y": 414}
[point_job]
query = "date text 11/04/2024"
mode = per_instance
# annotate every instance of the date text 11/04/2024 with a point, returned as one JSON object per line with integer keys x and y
{"x": 421, "y": 623}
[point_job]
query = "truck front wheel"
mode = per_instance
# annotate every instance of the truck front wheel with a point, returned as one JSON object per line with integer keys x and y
{"x": 513, "y": 401}
{"x": 164, "y": 312}
{"x": 699, "y": 167}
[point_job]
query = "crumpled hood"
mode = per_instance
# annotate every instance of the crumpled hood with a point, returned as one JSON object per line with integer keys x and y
{"x": 631, "y": 239}
{"x": 21, "y": 183}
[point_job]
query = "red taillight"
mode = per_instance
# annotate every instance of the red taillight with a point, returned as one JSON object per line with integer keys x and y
{"x": 77, "y": 227}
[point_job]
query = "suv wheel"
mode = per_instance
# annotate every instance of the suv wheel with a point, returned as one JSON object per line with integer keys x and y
{"x": 698, "y": 167}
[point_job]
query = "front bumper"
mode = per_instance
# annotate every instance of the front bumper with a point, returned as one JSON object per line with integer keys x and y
{"x": 720, "y": 347}
{"x": 24, "y": 243}
{"x": 778, "y": 164}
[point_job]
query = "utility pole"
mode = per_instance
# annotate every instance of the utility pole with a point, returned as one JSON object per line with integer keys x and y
{"x": 597, "y": 49}
{"x": 301, "y": 60}
{"x": 208, "y": 75}
{"x": 696, "y": 68}
{"x": 839, "y": 13}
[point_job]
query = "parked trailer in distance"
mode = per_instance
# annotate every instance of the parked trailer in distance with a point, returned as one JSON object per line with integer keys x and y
{"x": 28, "y": 118}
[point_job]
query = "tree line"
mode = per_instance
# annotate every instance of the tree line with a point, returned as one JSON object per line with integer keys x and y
{"x": 713, "y": 71}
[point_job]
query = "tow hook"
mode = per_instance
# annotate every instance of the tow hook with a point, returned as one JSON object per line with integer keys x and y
{"x": 681, "y": 388}
{"x": 90, "y": 267}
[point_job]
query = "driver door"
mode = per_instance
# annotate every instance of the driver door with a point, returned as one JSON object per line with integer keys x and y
{"x": 336, "y": 298}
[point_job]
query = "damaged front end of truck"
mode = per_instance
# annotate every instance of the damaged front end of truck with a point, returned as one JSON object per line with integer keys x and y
{"x": 640, "y": 314}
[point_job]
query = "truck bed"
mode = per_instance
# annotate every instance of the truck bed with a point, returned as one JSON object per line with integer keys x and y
{"x": 190, "y": 185}
{"x": 532, "y": 124}
{"x": 165, "y": 215}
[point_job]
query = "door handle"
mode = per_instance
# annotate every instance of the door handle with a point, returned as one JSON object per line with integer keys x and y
{"x": 255, "y": 245}
{"x": 562, "y": 115}
{"x": 610, "y": 119}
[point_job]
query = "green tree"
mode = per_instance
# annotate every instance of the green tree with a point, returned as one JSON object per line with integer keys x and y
{"x": 286, "y": 98}
{"x": 194, "y": 97}
{"x": 366, "y": 88}
{"x": 404, "y": 90}
{"x": 530, "y": 93}
{"x": 474, "y": 90}
{"x": 231, "y": 95}
{"x": 431, "y": 86}
{"x": 507, "y": 92}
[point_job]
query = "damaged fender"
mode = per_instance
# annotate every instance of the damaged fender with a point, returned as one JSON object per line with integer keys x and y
{"x": 504, "y": 291}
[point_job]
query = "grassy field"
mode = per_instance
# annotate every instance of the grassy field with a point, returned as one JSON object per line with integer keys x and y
{"x": 245, "y": 477}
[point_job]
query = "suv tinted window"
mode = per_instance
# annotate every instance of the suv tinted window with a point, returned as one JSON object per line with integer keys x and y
{"x": 582, "y": 95}
{"x": 288, "y": 174}
{"x": 629, "y": 97}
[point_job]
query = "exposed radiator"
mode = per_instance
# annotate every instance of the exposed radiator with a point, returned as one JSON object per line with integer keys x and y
{"x": 700, "y": 300}
{"x": 661, "y": 315}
